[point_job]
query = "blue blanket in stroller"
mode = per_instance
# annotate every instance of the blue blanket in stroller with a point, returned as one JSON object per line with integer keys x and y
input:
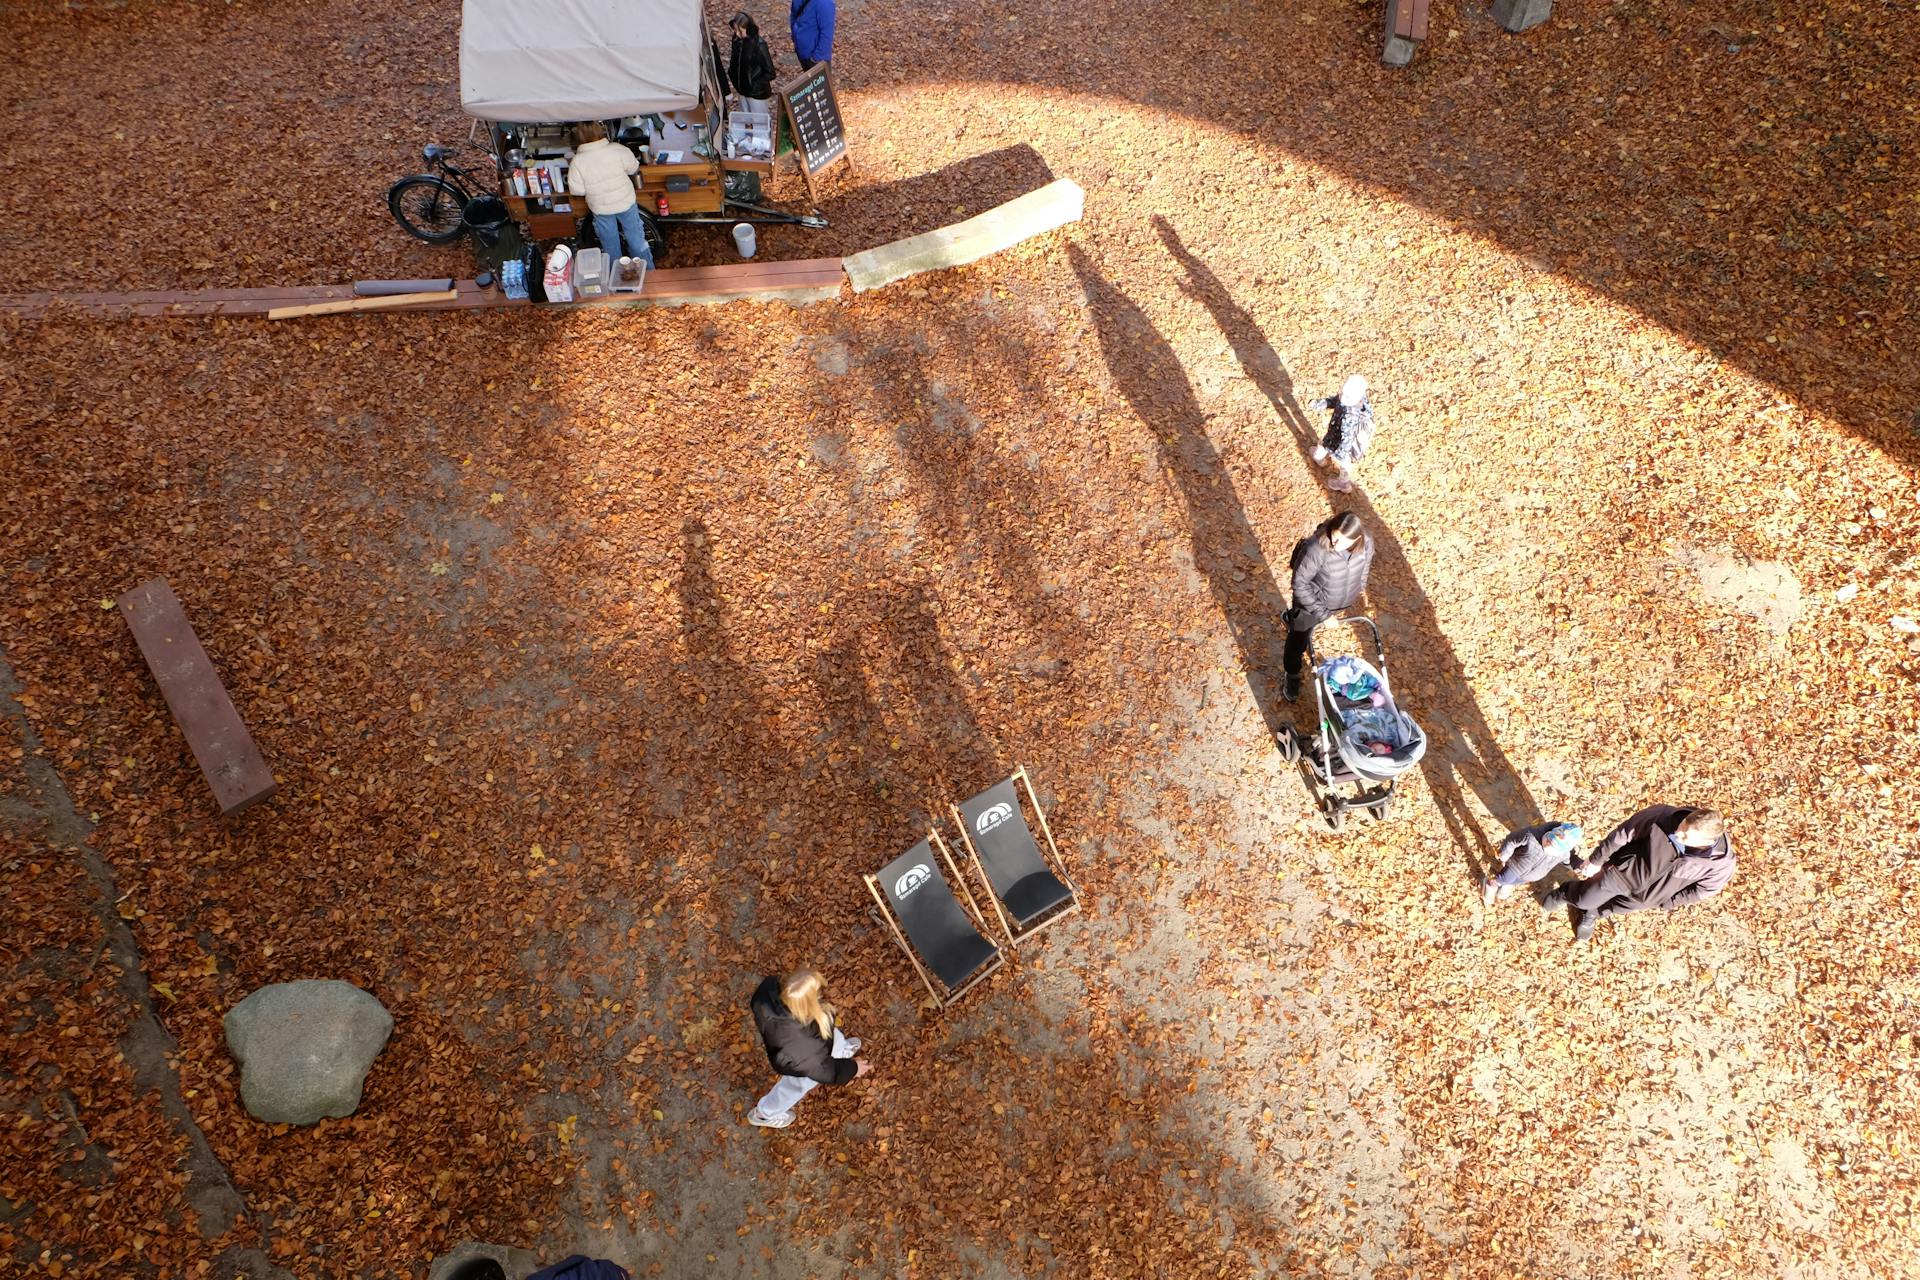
{"x": 1373, "y": 736}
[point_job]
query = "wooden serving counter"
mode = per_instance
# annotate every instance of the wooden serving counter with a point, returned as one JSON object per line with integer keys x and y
{"x": 694, "y": 187}
{"x": 697, "y": 186}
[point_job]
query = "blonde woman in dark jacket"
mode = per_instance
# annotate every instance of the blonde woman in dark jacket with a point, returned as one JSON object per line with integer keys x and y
{"x": 797, "y": 1026}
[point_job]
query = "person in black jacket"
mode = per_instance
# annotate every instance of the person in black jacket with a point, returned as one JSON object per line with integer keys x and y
{"x": 1330, "y": 569}
{"x": 796, "y": 1024}
{"x": 750, "y": 62}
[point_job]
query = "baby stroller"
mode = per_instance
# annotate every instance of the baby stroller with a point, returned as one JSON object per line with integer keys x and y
{"x": 1364, "y": 739}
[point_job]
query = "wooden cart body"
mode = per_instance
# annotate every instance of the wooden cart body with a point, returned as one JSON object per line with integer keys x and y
{"x": 526, "y": 78}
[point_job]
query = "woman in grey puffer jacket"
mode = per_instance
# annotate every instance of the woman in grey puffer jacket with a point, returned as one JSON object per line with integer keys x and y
{"x": 1329, "y": 573}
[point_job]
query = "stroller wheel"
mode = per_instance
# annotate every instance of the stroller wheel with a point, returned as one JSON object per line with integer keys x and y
{"x": 1381, "y": 810}
{"x": 1336, "y": 816}
{"x": 1289, "y": 745}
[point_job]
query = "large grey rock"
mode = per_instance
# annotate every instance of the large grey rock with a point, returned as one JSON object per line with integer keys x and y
{"x": 304, "y": 1048}
{"x": 1518, "y": 15}
{"x": 517, "y": 1263}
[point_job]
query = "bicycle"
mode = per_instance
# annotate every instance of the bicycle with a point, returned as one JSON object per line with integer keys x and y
{"x": 432, "y": 206}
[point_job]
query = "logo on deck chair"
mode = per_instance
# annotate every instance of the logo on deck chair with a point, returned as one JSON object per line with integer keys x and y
{"x": 916, "y": 875}
{"x": 992, "y": 818}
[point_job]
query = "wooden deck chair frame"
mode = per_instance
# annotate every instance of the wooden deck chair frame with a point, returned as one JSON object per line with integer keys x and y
{"x": 1059, "y": 867}
{"x": 973, "y": 908}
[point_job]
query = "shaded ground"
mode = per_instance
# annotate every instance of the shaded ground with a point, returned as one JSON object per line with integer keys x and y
{"x": 596, "y": 656}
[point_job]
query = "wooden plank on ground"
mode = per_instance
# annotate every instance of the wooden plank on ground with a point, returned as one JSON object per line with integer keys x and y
{"x": 799, "y": 281}
{"x": 815, "y": 277}
{"x": 1054, "y": 205}
{"x": 391, "y": 302}
{"x": 234, "y": 767}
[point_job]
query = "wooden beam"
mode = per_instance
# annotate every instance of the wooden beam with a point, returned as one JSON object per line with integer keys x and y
{"x": 1054, "y": 205}
{"x": 388, "y": 303}
{"x": 797, "y": 281}
{"x": 220, "y": 742}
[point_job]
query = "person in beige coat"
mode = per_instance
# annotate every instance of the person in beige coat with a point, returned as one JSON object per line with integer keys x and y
{"x": 603, "y": 173}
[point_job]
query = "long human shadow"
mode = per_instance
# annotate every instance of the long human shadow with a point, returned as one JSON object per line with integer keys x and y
{"x": 896, "y": 698}
{"x": 733, "y": 788}
{"x": 1462, "y": 750}
{"x": 1786, "y": 252}
{"x": 1226, "y": 550}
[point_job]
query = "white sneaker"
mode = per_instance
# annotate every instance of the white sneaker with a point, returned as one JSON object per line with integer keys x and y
{"x": 853, "y": 1044}
{"x": 769, "y": 1122}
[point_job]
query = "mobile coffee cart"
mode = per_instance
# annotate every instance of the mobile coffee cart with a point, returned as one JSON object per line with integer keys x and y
{"x": 532, "y": 69}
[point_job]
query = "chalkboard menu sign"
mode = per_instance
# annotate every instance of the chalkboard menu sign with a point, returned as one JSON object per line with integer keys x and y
{"x": 813, "y": 116}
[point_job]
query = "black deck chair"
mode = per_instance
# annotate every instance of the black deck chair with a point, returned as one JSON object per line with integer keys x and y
{"x": 1001, "y": 844}
{"x": 912, "y": 891}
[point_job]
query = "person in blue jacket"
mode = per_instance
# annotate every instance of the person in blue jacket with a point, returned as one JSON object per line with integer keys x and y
{"x": 812, "y": 24}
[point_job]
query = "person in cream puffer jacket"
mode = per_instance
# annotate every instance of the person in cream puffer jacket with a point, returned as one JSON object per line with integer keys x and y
{"x": 603, "y": 172}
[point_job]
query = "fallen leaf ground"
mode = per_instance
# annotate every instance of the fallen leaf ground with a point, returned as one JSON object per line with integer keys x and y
{"x": 598, "y": 654}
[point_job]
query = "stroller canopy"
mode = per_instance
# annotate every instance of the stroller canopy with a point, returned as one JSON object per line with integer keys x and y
{"x": 561, "y": 61}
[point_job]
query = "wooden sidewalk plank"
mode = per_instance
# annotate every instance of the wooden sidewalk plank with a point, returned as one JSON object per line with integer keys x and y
{"x": 798, "y": 280}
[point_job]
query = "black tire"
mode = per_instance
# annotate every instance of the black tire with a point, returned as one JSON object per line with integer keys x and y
{"x": 1384, "y": 808}
{"x": 428, "y": 208}
{"x": 656, "y": 237}
{"x": 1289, "y": 747}
{"x": 1336, "y": 816}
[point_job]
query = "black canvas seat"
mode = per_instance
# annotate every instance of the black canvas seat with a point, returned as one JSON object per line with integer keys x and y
{"x": 913, "y": 891}
{"x": 1028, "y": 893}
{"x": 1033, "y": 897}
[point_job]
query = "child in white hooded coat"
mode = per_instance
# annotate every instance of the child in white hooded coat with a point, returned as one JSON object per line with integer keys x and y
{"x": 1349, "y": 432}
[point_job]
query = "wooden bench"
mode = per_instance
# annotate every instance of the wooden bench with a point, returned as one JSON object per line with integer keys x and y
{"x": 234, "y": 767}
{"x": 1406, "y": 28}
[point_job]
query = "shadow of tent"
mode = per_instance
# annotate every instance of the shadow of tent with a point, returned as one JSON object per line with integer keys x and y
{"x": 863, "y": 216}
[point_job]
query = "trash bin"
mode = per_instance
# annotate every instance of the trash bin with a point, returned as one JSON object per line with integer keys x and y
{"x": 484, "y": 216}
{"x": 743, "y": 238}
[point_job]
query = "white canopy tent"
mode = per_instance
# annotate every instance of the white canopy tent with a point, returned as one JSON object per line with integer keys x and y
{"x": 560, "y": 61}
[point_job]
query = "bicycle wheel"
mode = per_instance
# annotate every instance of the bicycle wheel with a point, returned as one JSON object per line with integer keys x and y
{"x": 656, "y": 237}
{"x": 428, "y": 208}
